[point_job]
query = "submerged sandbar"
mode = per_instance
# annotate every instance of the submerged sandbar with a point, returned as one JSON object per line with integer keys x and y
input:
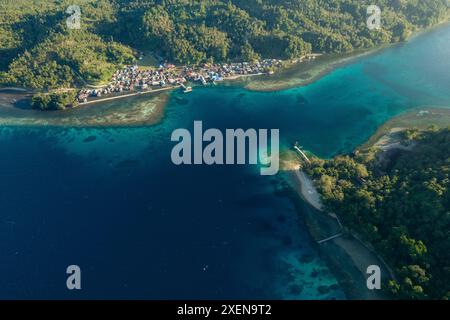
{"x": 306, "y": 72}
{"x": 133, "y": 111}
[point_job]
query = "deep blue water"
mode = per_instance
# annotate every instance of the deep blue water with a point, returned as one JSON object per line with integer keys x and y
{"x": 111, "y": 201}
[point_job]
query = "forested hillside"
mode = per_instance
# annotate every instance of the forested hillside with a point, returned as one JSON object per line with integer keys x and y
{"x": 38, "y": 51}
{"x": 401, "y": 205}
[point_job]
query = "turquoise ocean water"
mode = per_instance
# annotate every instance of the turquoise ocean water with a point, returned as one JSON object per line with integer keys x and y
{"x": 111, "y": 201}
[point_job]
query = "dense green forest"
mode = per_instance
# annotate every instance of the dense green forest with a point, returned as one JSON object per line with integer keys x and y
{"x": 400, "y": 203}
{"x": 54, "y": 100}
{"x": 37, "y": 50}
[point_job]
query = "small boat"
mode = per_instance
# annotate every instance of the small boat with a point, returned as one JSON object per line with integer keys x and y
{"x": 187, "y": 90}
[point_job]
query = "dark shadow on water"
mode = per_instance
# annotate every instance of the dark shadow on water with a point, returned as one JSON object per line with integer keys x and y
{"x": 23, "y": 104}
{"x": 90, "y": 139}
{"x": 181, "y": 101}
{"x": 301, "y": 99}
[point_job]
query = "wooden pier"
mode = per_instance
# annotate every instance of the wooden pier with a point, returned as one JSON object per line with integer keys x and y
{"x": 304, "y": 156}
{"x": 122, "y": 96}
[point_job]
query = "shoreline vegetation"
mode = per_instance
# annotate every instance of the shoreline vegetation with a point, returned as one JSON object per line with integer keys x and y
{"x": 57, "y": 58}
{"x": 344, "y": 252}
{"x": 407, "y": 135}
{"x": 294, "y": 73}
{"x": 141, "y": 111}
{"x": 388, "y": 135}
{"x": 23, "y": 97}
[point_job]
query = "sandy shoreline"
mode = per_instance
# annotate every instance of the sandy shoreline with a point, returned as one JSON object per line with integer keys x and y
{"x": 346, "y": 256}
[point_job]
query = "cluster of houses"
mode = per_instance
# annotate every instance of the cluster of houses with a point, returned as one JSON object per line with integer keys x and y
{"x": 132, "y": 79}
{"x": 218, "y": 72}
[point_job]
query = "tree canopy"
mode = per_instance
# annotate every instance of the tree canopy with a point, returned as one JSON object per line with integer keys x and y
{"x": 401, "y": 205}
{"x": 38, "y": 51}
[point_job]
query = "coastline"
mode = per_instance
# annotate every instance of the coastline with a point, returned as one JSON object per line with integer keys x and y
{"x": 291, "y": 76}
{"x": 139, "y": 111}
{"x": 307, "y": 72}
{"x": 419, "y": 118}
{"x": 15, "y": 109}
{"x": 304, "y": 73}
{"x": 346, "y": 256}
{"x": 253, "y": 82}
{"x": 129, "y": 95}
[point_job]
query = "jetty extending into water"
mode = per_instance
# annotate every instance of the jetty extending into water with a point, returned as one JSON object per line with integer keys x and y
{"x": 128, "y": 95}
{"x": 304, "y": 156}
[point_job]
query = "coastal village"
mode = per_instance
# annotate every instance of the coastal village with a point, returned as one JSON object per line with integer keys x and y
{"x": 131, "y": 80}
